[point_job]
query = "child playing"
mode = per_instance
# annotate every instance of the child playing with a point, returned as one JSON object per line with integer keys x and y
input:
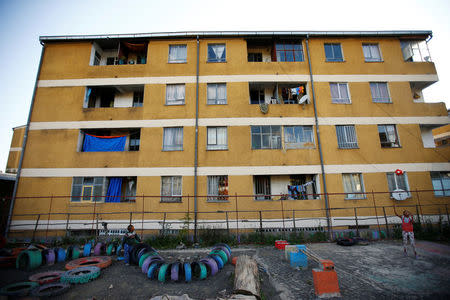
{"x": 407, "y": 230}
{"x": 128, "y": 241}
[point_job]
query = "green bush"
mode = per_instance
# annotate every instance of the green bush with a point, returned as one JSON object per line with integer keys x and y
{"x": 318, "y": 236}
{"x": 296, "y": 237}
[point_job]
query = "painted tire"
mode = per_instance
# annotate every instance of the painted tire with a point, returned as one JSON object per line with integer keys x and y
{"x": 223, "y": 245}
{"x": 224, "y": 249}
{"x": 76, "y": 252}
{"x": 29, "y": 259}
{"x": 87, "y": 250}
{"x": 218, "y": 260}
{"x": 143, "y": 258}
{"x": 211, "y": 264}
{"x": 69, "y": 252}
{"x": 154, "y": 269}
{"x": 19, "y": 289}
{"x": 222, "y": 255}
{"x": 40, "y": 246}
{"x": 163, "y": 272}
{"x": 81, "y": 274}
{"x": 187, "y": 272}
{"x": 199, "y": 270}
{"x": 110, "y": 249}
{"x": 97, "y": 261}
{"x": 146, "y": 265}
{"x": 50, "y": 290}
{"x": 118, "y": 249}
{"x": 99, "y": 249}
{"x": 50, "y": 257}
{"x": 141, "y": 252}
{"x": 175, "y": 271}
{"x": 61, "y": 254}
{"x": 46, "y": 277}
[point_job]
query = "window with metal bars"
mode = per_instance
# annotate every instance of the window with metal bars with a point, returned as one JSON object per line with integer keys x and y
{"x": 262, "y": 187}
{"x": 346, "y": 136}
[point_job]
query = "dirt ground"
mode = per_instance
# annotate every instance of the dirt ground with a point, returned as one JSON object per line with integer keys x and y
{"x": 379, "y": 270}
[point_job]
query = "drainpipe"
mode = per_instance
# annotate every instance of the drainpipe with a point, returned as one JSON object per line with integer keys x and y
{"x": 318, "y": 140}
{"x": 24, "y": 143}
{"x": 196, "y": 143}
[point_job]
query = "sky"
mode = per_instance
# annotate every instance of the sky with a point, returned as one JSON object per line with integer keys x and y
{"x": 22, "y": 22}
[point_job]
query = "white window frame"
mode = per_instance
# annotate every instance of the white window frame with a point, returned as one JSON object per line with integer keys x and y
{"x": 216, "y": 59}
{"x": 172, "y": 147}
{"x": 272, "y": 138}
{"x": 306, "y": 132}
{"x": 393, "y": 144}
{"x": 216, "y": 100}
{"x": 370, "y": 50}
{"x": 345, "y": 141}
{"x": 213, "y": 189}
{"x": 396, "y": 179}
{"x": 178, "y": 96}
{"x": 340, "y": 99}
{"x": 334, "y": 59}
{"x": 412, "y": 51}
{"x": 354, "y": 193}
{"x": 212, "y": 137}
{"x": 440, "y": 191}
{"x": 173, "y": 197}
{"x": 177, "y": 60}
{"x": 378, "y": 86}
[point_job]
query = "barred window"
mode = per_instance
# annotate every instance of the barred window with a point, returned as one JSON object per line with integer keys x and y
{"x": 346, "y": 136}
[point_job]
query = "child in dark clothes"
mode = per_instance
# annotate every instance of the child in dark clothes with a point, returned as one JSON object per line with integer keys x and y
{"x": 128, "y": 241}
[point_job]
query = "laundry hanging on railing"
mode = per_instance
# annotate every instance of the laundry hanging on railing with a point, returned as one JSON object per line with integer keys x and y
{"x": 299, "y": 191}
{"x": 94, "y": 143}
{"x": 114, "y": 190}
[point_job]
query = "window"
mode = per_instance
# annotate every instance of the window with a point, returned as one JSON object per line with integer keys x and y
{"x": 257, "y": 95}
{"x": 173, "y": 139}
{"x": 441, "y": 183}
{"x": 415, "y": 51}
{"x": 262, "y": 187}
{"x": 398, "y": 182}
{"x": 138, "y": 98}
{"x": 217, "y": 138}
{"x": 177, "y": 53}
{"x": 371, "y": 52}
{"x": 216, "y": 53}
{"x": 289, "y": 52}
{"x": 135, "y": 141}
{"x": 97, "y": 58}
{"x": 255, "y": 57}
{"x": 266, "y": 137}
{"x": 296, "y": 137}
{"x": 346, "y": 136}
{"x": 333, "y": 52}
{"x": 339, "y": 93}
{"x": 112, "y": 61}
{"x": 388, "y": 136}
{"x": 175, "y": 94}
{"x": 353, "y": 184}
{"x": 217, "y": 188}
{"x": 171, "y": 189}
{"x": 87, "y": 189}
{"x": 380, "y": 92}
{"x": 217, "y": 93}
{"x": 129, "y": 189}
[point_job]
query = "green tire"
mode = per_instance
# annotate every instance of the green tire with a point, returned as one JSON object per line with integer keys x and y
{"x": 109, "y": 250}
{"x": 75, "y": 252}
{"x": 162, "y": 272}
{"x": 143, "y": 257}
{"x": 203, "y": 271}
{"x": 222, "y": 255}
{"x": 29, "y": 260}
{"x": 80, "y": 275}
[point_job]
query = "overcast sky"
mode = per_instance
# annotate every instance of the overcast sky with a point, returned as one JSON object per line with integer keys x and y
{"x": 22, "y": 22}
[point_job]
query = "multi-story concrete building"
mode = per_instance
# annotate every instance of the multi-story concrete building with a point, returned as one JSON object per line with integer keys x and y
{"x": 223, "y": 121}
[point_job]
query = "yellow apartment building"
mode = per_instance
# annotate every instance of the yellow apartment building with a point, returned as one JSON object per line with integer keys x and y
{"x": 293, "y": 128}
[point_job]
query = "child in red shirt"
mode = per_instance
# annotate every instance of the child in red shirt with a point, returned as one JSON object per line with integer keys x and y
{"x": 407, "y": 230}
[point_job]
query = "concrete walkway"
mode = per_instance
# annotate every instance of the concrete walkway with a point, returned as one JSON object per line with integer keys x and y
{"x": 379, "y": 270}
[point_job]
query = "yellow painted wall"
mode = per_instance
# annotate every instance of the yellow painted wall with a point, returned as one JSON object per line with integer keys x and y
{"x": 16, "y": 142}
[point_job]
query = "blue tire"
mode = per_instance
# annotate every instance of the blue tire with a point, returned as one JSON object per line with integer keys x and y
{"x": 218, "y": 260}
{"x": 153, "y": 269}
{"x": 87, "y": 250}
{"x": 61, "y": 253}
{"x": 187, "y": 272}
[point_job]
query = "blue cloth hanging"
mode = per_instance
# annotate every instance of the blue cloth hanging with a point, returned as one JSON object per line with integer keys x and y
{"x": 114, "y": 190}
{"x": 103, "y": 144}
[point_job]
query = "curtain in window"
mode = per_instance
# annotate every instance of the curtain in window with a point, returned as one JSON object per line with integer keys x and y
{"x": 217, "y": 93}
{"x": 173, "y": 138}
{"x": 392, "y": 137}
{"x": 175, "y": 93}
{"x": 213, "y": 186}
{"x": 94, "y": 143}
{"x": 397, "y": 182}
{"x": 216, "y": 52}
{"x": 352, "y": 183}
{"x": 346, "y": 136}
{"x": 114, "y": 190}
{"x": 177, "y": 53}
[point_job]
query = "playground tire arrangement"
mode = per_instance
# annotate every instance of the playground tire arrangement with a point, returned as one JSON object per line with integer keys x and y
{"x": 156, "y": 268}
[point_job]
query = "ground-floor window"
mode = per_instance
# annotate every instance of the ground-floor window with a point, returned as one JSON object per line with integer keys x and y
{"x": 171, "y": 189}
{"x": 217, "y": 188}
{"x": 353, "y": 186}
{"x": 103, "y": 189}
{"x": 398, "y": 182}
{"x": 262, "y": 187}
{"x": 441, "y": 183}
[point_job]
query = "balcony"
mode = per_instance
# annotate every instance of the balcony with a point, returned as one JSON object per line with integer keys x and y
{"x": 278, "y": 93}
{"x": 107, "y": 52}
{"x": 117, "y": 96}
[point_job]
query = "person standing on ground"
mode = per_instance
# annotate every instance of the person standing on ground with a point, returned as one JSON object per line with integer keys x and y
{"x": 407, "y": 230}
{"x": 128, "y": 241}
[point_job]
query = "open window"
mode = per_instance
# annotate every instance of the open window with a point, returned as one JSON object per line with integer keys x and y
{"x": 115, "y": 96}
{"x": 286, "y": 187}
{"x": 269, "y": 50}
{"x": 217, "y": 188}
{"x": 103, "y": 189}
{"x": 278, "y": 93}
{"x": 415, "y": 51}
{"x": 109, "y": 140}
{"x": 115, "y": 52}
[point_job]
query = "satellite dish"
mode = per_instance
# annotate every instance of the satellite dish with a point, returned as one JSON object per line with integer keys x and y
{"x": 399, "y": 194}
{"x": 303, "y": 99}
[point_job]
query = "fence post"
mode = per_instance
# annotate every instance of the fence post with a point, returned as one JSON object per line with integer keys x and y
{"x": 386, "y": 222}
{"x": 420, "y": 206}
{"x": 260, "y": 226}
{"x": 440, "y": 220}
{"x": 67, "y": 223}
{"x": 131, "y": 217}
{"x": 143, "y": 206}
{"x": 164, "y": 225}
{"x": 96, "y": 228}
{"x": 35, "y": 227}
{"x": 49, "y": 214}
{"x": 418, "y": 216}
{"x": 237, "y": 221}
{"x": 293, "y": 220}
{"x": 228, "y": 226}
{"x": 356, "y": 220}
{"x": 376, "y": 214}
{"x": 282, "y": 217}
